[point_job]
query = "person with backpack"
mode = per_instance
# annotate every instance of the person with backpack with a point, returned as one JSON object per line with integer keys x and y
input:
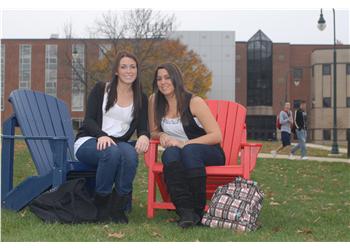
{"x": 300, "y": 129}
{"x": 285, "y": 119}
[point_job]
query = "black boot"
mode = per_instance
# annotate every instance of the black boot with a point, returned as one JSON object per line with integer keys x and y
{"x": 102, "y": 204}
{"x": 118, "y": 206}
{"x": 175, "y": 179}
{"x": 197, "y": 186}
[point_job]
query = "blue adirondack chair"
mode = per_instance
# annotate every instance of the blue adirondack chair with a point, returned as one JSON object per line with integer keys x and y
{"x": 46, "y": 127}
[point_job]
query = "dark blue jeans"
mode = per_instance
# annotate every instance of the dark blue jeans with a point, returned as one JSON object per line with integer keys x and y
{"x": 195, "y": 155}
{"x": 116, "y": 165}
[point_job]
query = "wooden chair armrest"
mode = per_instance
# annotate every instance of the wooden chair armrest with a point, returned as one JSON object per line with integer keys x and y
{"x": 151, "y": 155}
{"x": 249, "y": 154}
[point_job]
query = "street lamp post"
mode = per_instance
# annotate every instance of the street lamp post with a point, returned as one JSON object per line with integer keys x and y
{"x": 321, "y": 26}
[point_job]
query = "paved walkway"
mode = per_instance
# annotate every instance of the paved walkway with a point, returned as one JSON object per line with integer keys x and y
{"x": 323, "y": 147}
{"x": 311, "y": 158}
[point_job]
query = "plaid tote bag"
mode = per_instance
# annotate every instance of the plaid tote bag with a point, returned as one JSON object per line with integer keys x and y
{"x": 235, "y": 205}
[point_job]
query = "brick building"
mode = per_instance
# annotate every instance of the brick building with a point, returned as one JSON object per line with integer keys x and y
{"x": 266, "y": 75}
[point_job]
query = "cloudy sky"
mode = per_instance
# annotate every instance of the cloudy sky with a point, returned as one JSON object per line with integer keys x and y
{"x": 298, "y": 26}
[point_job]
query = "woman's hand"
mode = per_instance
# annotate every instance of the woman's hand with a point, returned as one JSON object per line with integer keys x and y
{"x": 168, "y": 141}
{"x": 104, "y": 142}
{"x": 142, "y": 144}
{"x": 164, "y": 140}
{"x": 178, "y": 143}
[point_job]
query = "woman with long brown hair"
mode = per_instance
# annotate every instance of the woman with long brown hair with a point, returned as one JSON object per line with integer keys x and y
{"x": 114, "y": 111}
{"x": 191, "y": 137}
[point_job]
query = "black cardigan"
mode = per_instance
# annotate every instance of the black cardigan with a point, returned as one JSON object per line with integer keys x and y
{"x": 92, "y": 124}
{"x": 300, "y": 119}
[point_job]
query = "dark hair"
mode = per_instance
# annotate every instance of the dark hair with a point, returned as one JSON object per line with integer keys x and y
{"x": 161, "y": 105}
{"x": 136, "y": 85}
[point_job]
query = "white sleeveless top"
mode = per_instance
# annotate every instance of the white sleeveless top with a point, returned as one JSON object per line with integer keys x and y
{"x": 115, "y": 122}
{"x": 174, "y": 128}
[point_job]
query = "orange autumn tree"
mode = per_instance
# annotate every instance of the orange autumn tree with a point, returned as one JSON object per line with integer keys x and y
{"x": 197, "y": 77}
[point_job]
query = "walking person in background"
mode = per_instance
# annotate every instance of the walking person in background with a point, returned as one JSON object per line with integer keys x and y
{"x": 300, "y": 129}
{"x": 286, "y": 121}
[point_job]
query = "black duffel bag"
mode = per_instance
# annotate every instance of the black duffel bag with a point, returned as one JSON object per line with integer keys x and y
{"x": 69, "y": 203}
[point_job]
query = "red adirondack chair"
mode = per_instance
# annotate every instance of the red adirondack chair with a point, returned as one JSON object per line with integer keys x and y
{"x": 240, "y": 156}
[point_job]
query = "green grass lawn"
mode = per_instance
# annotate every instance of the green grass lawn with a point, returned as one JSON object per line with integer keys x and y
{"x": 304, "y": 201}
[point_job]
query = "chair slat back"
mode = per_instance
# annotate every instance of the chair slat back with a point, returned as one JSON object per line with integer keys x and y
{"x": 39, "y": 114}
{"x": 231, "y": 119}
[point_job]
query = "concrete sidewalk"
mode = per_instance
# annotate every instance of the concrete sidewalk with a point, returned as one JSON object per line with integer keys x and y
{"x": 310, "y": 158}
{"x": 323, "y": 147}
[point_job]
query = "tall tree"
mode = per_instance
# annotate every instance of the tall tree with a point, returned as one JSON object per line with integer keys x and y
{"x": 197, "y": 77}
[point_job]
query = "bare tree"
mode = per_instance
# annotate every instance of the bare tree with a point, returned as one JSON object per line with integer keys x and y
{"x": 68, "y": 29}
{"x": 134, "y": 27}
{"x": 137, "y": 30}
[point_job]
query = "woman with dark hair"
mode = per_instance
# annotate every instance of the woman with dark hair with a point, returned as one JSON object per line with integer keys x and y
{"x": 191, "y": 137}
{"x": 114, "y": 111}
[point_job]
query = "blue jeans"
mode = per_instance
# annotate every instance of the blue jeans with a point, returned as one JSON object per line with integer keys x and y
{"x": 301, "y": 135}
{"x": 116, "y": 165}
{"x": 195, "y": 155}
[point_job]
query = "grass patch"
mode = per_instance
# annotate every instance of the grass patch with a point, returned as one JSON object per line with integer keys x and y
{"x": 304, "y": 201}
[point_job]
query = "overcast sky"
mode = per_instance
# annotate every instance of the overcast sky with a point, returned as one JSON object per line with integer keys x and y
{"x": 285, "y": 25}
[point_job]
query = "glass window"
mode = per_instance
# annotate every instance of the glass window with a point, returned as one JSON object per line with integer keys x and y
{"x": 2, "y": 77}
{"x": 348, "y": 68}
{"x": 348, "y": 102}
{"x": 261, "y": 127}
{"x": 297, "y": 73}
{"x": 296, "y": 104}
{"x": 78, "y": 77}
{"x": 25, "y": 58}
{"x": 326, "y": 69}
{"x": 327, "y": 102}
{"x": 327, "y": 134}
{"x": 259, "y": 70}
{"x": 76, "y": 122}
{"x": 51, "y": 69}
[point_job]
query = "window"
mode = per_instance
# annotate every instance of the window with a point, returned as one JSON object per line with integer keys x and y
{"x": 261, "y": 127}
{"x": 326, "y": 69}
{"x": 103, "y": 49}
{"x": 2, "y": 77}
{"x": 259, "y": 70}
{"x": 327, "y": 102}
{"x": 348, "y": 68}
{"x": 76, "y": 122}
{"x": 296, "y": 104}
{"x": 348, "y": 134}
{"x": 78, "y": 77}
{"x": 297, "y": 73}
{"x": 25, "y": 67}
{"x": 51, "y": 70}
{"x": 327, "y": 134}
{"x": 313, "y": 70}
{"x": 348, "y": 102}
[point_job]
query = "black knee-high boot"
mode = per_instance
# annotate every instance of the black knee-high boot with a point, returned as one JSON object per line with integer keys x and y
{"x": 102, "y": 203}
{"x": 118, "y": 207}
{"x": 180, "y": 195}
{"x": 197, "y": 186}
